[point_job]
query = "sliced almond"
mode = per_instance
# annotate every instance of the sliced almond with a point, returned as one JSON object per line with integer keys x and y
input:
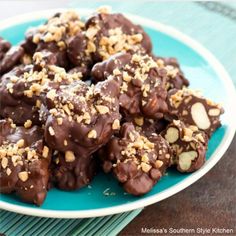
{"x": 199, "y": 116}
{"x": 214, "y": 112}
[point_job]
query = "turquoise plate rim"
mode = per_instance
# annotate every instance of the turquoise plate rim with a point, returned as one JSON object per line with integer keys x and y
{"x": 216, "y": 156}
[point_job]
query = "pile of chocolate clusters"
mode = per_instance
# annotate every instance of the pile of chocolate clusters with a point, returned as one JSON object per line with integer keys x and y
{"x": 76, "y": 96}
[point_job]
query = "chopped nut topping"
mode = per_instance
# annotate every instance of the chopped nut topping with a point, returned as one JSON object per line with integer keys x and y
{"x": 176, "y": 122}
{"x": 38, "y": 103}
{"x": 28, "y": 93}
{"x": 159, "y": 164}
{"x": 28, "y": 124}
{"x": 51, "y": 94}
{"x": 117, "y": 41}
{"x": 214, "y": 112}
{"x": 145, "y": 158}
{"x": 188, "y": 134}
{"x": 51, "y": 131}
{"x": 59, "y": 121}
{"x": 4, "y": 162}
{"x": 8, "y": 171}
{"x": 20, "y": 143}
{"x": 177, "y": 98}
{"x": 193, "y": 128}
{"x": 104, "y": 9}
{"x": 23, "y": 176}
{"x": 57, "y": 26}
{"x": 13, "y": 125}
{"x": 126, "y": 76}
{"x": 145, "y": 167}
{"x": 138, "y": 142}
{"x": 171, "y": 71}
{"x": 92, "y": 134}
{"x": 65, "y": 142}
{"x": 167, "y": 156}
{"x": 3, "y": 153}
{"x": 91, "y": 47}
{"x": 102, "y": 109}
{"x": 116, "y": 72}
{"x": 124, "y": 87}
{"x": 91, "y": 32}
{"x": 200, "y": 138}
{"x": 69, "y": 156}
{"x": 116, "y": 124}
{"x": 45, "y": 151}
{"x": 139, "y": 121}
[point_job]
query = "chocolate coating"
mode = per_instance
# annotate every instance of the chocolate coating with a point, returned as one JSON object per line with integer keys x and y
{"x": 15, "y": 105}
{"x": 73, "y": 175}
{"x": 77, "y": 52}
{"x": 137, "y": 162}
{"x": 4, "y": 47}
{"x": 82, "y": 118}
{"x": 138, "y": 116}
{"x": 193, "y": 109}
{"x": 189, "y": 146}
{"x": 25, "y": 162}
{"x": 142, "y": 84}
{"x": 9, "y": 56}
{"x": 147, "y": 126}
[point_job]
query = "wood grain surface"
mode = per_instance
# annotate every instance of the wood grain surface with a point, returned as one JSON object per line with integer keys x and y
{"x": 210, "y": 203}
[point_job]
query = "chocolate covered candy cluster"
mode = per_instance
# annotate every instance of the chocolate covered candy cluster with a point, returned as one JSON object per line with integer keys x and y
{"x": 137, "y": 161}
{"x": 25, "y": 160}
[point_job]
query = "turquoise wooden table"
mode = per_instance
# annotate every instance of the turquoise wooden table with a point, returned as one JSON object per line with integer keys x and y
{"x": 212, "y": 25}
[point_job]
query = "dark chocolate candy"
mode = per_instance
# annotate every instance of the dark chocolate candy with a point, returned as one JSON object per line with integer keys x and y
{"x": 25, "y": 162}
{"x": 190, "y": 107}
{"x": 53, "y": 36}
{"x": 142, "y": 84}
{"x": 82, "y": 118}
{"x": 9, "y": 56}
{"x": 77, "y": 52}
{"x": 136, "y": 161}
{"x": 189, "y": 145}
